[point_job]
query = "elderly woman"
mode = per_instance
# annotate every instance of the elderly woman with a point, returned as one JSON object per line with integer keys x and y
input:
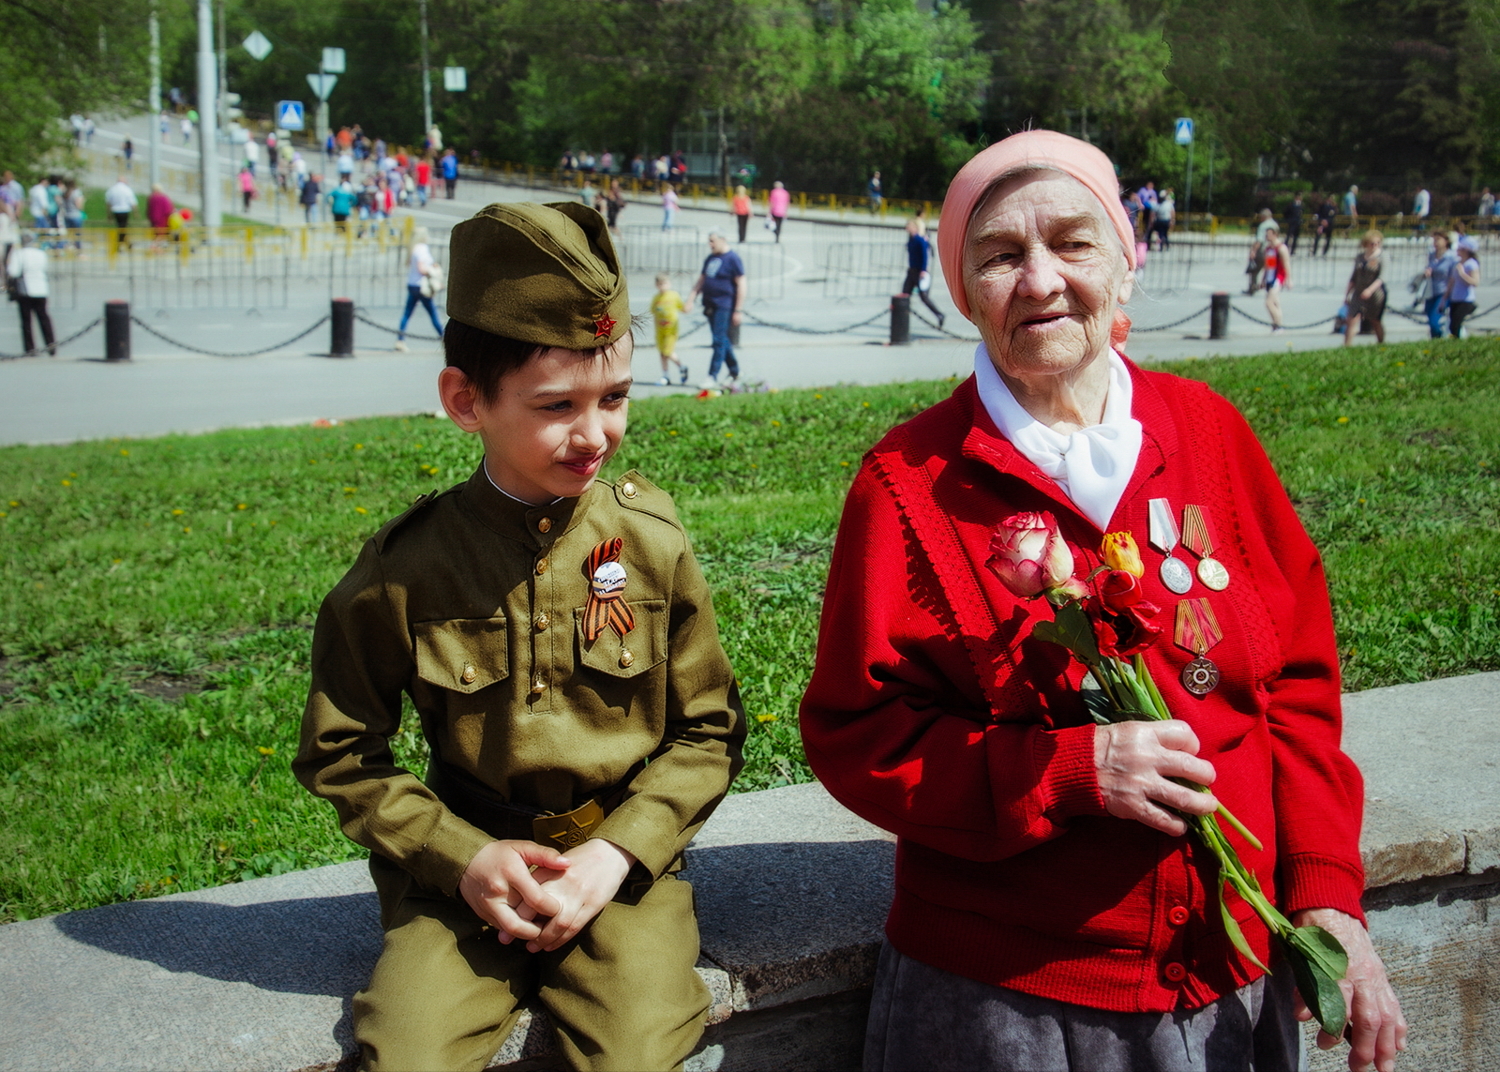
{"x": 1049, "y": 911}
{"x": 1365, "y": 293}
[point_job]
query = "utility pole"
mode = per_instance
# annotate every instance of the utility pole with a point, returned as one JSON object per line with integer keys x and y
{"x": 208, "y": 110}
{"x": 426, "y": 78}
{"x": 153, "y": 98}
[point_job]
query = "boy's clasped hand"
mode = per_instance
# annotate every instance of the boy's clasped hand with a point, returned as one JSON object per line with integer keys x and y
{"x": 534, "y": 893}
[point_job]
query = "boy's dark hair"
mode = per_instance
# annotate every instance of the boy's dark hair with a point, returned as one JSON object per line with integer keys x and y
{"x": 484, "y": 357}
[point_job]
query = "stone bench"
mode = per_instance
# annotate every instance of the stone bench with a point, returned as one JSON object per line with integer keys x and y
{"x": 792, "y": 891}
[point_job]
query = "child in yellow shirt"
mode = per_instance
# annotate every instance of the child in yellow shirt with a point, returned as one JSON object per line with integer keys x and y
{"x": 666, "y": 308}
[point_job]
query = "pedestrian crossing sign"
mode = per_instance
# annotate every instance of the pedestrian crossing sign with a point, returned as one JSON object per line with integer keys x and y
{"x": 289, "y": 115}
{"x": 1184, "y": 131}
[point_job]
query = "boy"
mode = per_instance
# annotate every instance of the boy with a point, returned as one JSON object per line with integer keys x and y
{"x": 558, "y": 642}
{"x": 666, "y": 309}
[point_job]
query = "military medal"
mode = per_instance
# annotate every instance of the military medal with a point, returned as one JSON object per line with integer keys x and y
{"x": 1197, "y": 539}
{"x": 1197, "y": 630}
{"x": 606, "y": 605}
{"x": 1174, "y": 571}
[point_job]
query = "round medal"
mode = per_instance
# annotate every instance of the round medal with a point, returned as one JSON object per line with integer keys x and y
{"x": 1176, "y": 575}
{"x": 1200, "y": 677}
{"x": 608, "y": 580}
{"x": 1212, "y": 573}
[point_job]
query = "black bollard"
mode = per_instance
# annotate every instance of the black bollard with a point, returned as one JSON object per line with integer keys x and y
{"x": 900, "y": 319}
{"x": 1218, "y": 315}
{"x": 343, "y": 328}
{"x": 117, "y": 331}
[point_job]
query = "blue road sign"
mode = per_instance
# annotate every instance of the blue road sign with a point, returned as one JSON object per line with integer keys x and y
{"x": 289, "y": 115}
{"x": 1184, "y": 131}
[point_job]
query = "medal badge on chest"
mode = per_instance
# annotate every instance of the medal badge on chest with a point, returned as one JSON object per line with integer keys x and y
{"x": 1197, "y": 630}
{"x": 1163, "y": 535}
{"x": 1198, "y": 539}
{"x": 606, "y": 605}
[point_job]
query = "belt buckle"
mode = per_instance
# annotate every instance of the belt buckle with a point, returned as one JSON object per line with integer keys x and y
{"x": 570, "y": 829}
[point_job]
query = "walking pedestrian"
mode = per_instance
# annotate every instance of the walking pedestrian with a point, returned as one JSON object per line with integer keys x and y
{"x": 158, "y": 210}
{"x": 1462, "y": 282}
{"x": 778, "y": 202}
{"x": 450, "y": 174}
{"x": 186, "y": 126}
{"x": 309, "y": 197}
{"x": 1350, "y": 206}
{"x": 128, "y": 152}
{"x": 121, "y": 201}
{"x": 1365, "y": 295}
{"x": 42, "y": 202}
{"x": 1294, "y": 215}
{"x": 742, "y": 210}
{"x": 723, "y": 286}
{"x": 668, "y": 205}
{"x": 1326, "y": 213}
{"x": 1166, "y": 215}
{"x": 875, "y": 192}
{"x": 614, "y": 204}
{"x": 1441, "y": 261}
{"x": 246, "y": 182}
{"x": 1276, "y": 275}
{"x": 918, "y": 257}
{"x": 341, "y": 201}
{"x": 666, "y": 310}
{"x": 424, "y": 279}
{"x": 28, "y": 267}
{"x": 1421, "y": 207}
{"x": 71, "y": 211}
{"x": 424, "y": 181}
{"x": 12, "y": 194}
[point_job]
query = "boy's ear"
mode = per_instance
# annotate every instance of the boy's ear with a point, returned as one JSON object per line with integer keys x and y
{"x": 458, "y": 396}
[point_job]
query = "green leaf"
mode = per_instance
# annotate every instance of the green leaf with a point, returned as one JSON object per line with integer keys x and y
{"x": 1232, "y": 927}
{"x": 1071, "y": 629}
{"x": 1322, "y": 947}
{"x": 1318, "y": 989}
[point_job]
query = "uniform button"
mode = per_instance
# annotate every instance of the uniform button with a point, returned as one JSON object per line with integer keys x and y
{"x": 628, "y": 489}
{"x": 1177, "y": 916}
{"x": 538, "y": 687}
{"x": 469, "y": 675}
{"x": 544, "y": 525}
{"x": 626, "y": 658}
{"x": 1175, "y": 972}
{"x": 541, "y": 567}
{"x": 541, "y": 621}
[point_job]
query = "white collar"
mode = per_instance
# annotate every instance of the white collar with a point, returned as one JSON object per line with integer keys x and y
{"x": 1093, "y": 465}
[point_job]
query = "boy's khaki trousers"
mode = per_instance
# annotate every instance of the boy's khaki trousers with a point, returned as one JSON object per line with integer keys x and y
{"x": 622, "y": 994}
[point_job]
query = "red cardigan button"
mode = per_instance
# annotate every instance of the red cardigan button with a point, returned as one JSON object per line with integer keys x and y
{"x": 1178, "y": 915}
{"x": 1175, "y": 972}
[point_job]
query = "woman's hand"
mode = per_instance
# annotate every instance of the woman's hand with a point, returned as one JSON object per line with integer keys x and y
{"x": 1136, "y": 763}
{"x": 1377, "y": 1029}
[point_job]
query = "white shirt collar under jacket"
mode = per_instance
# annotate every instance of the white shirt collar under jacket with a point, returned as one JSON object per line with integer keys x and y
{"x": 1093, "y": 465}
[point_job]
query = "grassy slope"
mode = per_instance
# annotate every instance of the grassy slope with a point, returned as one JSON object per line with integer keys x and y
{"x": 130, "y": 570}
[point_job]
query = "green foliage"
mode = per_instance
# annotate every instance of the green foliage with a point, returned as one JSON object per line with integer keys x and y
{"x": 148, "y": 656}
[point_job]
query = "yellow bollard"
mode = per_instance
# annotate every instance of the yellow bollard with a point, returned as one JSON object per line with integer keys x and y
{"x": 249, "y": 244}
{"x": 112, "y": 246}
{"x": 303, "y": 232}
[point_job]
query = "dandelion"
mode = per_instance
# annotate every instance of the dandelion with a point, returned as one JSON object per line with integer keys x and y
{"x": 241, "y": 506}
{"x": 3, "y": 514}
{"x": 775, "y": 424}
{"x": 844, "y": 464}
{"x": 188, "y": 529}
{"x": 1361, "y": 502}
{"x": 67, "y": 483}
{"x": 178, "y": 513}
{"x": 359, "y": 446}
{"x": 865, "y": 404}
{"x": 360, "y": 510}
{"x": 1343, "y": 420}
{"x": 263, "y": 750}
{"x": 817, "y": 396}
{"x": 766, "y": 718}
{"x": 348, "y": 491}
{"x": 124, "y": 453}
{"x": 728, "y": 435}
{"x": 73, "y": 474}
{"x": 117, "y": 561}
{"x": 15, "y": 502}
{"x": 672, "y": 432}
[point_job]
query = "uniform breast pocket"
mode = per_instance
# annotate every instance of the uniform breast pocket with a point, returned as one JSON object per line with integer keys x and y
{"x": 462, "y": 655}
{"x": 631, "y": 655}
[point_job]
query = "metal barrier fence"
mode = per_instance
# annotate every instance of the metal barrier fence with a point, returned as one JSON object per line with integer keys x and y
{"x": 681, "y": 251}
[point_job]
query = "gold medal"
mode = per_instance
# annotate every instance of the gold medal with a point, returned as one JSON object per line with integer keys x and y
{"x": 1197, "y": 630}
{"x": 1163, "y": 535}
{"x": 1197, "y": 539}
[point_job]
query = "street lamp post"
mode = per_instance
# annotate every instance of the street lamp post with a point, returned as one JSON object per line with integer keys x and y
{"x": 426, "y": 78}
{"x": 154, "y": 99}
{"x": 208, "y": 132}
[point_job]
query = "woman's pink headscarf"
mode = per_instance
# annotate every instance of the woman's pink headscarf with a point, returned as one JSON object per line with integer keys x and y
{"x": 1031, "y": 148}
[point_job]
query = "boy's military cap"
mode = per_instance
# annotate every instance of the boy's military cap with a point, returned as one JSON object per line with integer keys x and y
{"x": 546, "y": 274}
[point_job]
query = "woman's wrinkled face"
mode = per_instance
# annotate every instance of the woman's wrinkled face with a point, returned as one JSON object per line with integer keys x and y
{"x": 1044, "y": 272}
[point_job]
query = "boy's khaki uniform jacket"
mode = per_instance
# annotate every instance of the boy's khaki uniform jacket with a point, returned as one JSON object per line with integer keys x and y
{"x": 472, "y": 604}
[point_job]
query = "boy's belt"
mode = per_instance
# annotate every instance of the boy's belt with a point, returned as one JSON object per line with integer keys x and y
{"x": 500, "y": 818}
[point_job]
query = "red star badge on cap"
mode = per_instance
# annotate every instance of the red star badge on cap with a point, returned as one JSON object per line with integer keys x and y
{"x": 603, "y": 326}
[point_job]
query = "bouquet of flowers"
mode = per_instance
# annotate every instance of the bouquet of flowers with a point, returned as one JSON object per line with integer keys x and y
{"x": 1105, "y": 621}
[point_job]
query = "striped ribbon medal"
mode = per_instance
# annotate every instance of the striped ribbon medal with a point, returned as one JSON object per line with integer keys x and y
{"x": 1197, "y": 538}
{"x": 606, "y": 605}
{"x": 1197, "y": 630}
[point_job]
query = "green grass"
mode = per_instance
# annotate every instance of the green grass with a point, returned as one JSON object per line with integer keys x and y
{"x": 156, "y": 595}
{"x": 98, "y": 214}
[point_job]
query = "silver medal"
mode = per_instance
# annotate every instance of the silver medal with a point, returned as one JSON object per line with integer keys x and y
{"x": 1176, "y": 575}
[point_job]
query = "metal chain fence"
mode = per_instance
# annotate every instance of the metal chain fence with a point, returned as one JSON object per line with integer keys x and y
{"x": 59, "y": 344}
{"x": 235, "y": 353}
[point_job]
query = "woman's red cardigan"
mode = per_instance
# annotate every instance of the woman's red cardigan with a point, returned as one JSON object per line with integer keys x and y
{"x": 934, "y": 714}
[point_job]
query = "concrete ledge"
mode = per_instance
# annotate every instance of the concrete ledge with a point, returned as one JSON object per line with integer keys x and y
{"x": 792, "y": 892}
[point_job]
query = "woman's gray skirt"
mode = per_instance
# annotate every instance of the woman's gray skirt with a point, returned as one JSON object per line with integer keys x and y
{"x": 924, "y": 1018}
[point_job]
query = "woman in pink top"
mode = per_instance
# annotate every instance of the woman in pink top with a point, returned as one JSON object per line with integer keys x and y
{"x": 779, "y": 201}
{"x": 159, "y": 210}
